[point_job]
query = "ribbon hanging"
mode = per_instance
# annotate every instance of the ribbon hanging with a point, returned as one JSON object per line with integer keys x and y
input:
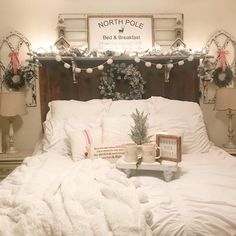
{"x": 15, "y": 63}
{"x": 222, "y": 55}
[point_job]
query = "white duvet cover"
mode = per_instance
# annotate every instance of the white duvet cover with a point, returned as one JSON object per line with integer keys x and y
{"x": 200, "y": 202}
{"x": 50, "y": 195}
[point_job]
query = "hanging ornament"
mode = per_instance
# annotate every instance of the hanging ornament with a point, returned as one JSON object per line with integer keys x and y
{"x": 170, "y": 65}
{"x": 190, "y": 58}
{"x": 109, "y": 61}
{"x": 148, "y": 64}
{"x": 58, "y": 58}
{"x": 66, "y": 65}
{"x": 137, "y": 59}
{"x": 100, "y": 67}
{"x": 77, "y": 70}
{"x": 89, "y": 70}
{"x": 15, "y": 63}
{"x": 180, "y": 63}
{"x": 159, "y": 66}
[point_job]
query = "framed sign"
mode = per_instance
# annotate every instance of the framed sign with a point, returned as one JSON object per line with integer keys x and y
{"x": 170, "y": 147}
{"x": 120, "y": 33}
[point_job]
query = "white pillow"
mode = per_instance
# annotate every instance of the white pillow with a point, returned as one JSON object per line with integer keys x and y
{"x": 63, "y": 109}
{"x": 126, "y": 107}
{"x": 192, "y": 130}
{"x": 82, "y": 140}
{"x": 55, "y": 138}
{"x": 116, "y": 130}
{"x": 174, "y": 107}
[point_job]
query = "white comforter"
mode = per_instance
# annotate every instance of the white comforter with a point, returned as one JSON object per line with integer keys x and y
{"x": 201, "y": 201}
{"x": 49, "y": 195}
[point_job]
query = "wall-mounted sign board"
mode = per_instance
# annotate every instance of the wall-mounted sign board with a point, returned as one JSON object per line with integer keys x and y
{"x": 85, "y": 29}
{"x": 120, "y": 33}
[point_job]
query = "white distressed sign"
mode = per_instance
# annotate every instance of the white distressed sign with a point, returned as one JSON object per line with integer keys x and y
{"x": 120, "y": 33}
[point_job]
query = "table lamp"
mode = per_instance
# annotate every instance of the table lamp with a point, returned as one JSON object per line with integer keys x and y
{"x": 11, "y": 105}
{"x": 226, "y": 101}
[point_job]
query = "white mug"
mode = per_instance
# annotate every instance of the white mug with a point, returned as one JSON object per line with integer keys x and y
{"x": 149, "y": 152}
{"x": 131, "y": 152}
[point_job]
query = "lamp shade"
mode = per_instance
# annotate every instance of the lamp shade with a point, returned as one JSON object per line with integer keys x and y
{"x": 12, "y": 104}
{"x": 225, "y": 99}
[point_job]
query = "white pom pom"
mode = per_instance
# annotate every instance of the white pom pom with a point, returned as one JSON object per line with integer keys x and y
{"x": 67, "y": 66}
{"x": 101, "y": 67}
{"x": 137, "y": 59}
{"x": 109, "y": 61}
{"x": 89, "y": 70}
{"x": 58, "y": 58}
{"x": 148, "y": 64}
{"x": 170, "y": 66}
{"x": 190, "y": 58}
{"x": 180, "y": 63}
{"x": 77, "y": 70}
{"x": 159, "y": 66}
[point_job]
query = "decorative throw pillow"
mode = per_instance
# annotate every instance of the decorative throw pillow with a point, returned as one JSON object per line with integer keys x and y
{"x": 106, "y": 152}
{"x": 82, "y": 140}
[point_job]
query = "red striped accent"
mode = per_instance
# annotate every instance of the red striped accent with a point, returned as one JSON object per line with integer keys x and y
{"x": 88, "y": 138}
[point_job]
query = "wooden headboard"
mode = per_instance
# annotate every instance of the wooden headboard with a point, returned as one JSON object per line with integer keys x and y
{"x": 56, "y": 82}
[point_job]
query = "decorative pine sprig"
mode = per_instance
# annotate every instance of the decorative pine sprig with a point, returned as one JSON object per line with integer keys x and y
{"x": 139, "y": 132}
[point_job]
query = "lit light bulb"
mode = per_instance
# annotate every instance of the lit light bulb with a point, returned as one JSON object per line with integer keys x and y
{"x": 137, "y": 59}
{"x": 77, "y": 70}
{"x": 148, "y": 64}
{"x": 101, "y": 67}
{"x": 58, "y": 58}
{"x": 67, "y": 66}
{"x": 109, "y": 61}
{"x": 180, "y": 63}
{"x": 159, "y": 66}
{"x": 89, "y": 70}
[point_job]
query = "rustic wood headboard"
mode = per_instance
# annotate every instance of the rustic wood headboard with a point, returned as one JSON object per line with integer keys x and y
{"x": 56, "y": 82}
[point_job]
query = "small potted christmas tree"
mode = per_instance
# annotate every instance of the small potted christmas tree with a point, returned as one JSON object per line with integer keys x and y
{"x": 139, "y": 132}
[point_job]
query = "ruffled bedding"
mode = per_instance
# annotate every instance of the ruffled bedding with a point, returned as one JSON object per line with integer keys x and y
{"x": 50, "y": 195}
{"x": 201, "y": 201}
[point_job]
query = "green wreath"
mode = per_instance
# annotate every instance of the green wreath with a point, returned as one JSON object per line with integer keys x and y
{"x": 23, "y": 76}
{"x": 14, "y": 81}
{"x": 121, "y": 71}
{"x": 222, "y": 78}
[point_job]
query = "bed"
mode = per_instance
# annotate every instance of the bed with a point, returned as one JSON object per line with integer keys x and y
{"x": 60, "y": 192}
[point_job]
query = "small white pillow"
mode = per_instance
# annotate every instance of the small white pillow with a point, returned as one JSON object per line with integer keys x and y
{"x": 82, "y": 140}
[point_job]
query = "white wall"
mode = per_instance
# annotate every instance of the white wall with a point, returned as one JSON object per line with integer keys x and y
{"x": 37, "y": 21}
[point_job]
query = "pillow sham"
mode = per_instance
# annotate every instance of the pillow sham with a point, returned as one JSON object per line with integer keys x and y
{"x": 192, "y": 130}
{"x": 116, "y": 130}
{"x": 64, "y": 109}
{"x": 126, "y": 107}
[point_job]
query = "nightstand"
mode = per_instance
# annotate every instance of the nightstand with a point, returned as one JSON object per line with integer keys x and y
{"x": 8, "y": 162}
{"x": 230, "y": 151}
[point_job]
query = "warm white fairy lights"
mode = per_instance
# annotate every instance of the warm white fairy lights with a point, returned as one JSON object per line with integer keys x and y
{"x": 169, "y": 63}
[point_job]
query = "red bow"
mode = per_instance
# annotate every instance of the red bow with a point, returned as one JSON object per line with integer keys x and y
{"x": 222, "y": 55}
{"x": 15, "y": 63}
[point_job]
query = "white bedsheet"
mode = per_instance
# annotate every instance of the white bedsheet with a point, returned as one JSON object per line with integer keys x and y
{"x": 201, "y": 201}
{"x": 50, "y": 195}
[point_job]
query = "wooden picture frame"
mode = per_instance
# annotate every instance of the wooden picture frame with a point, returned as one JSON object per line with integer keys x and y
{"x": 169, "y": 147}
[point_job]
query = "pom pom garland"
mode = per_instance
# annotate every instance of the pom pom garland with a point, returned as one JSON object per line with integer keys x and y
{"x": 67, "y": 66}
{"x": 89, "y": 70}
{"x": 100, "y": 67}
{"x": 109, "y": 61}
{"x": 58, "y": 58}
{"x": 137, "y": 59}
{"x": 159, "y": 66}
{"x": 148, "y": 64}
{"x": 180, "y": 63}
{"x": 77, "y": 70}
{"x": 170, "y": 66}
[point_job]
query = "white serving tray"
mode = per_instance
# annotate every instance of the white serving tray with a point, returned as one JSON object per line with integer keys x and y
{"x": 167, "y": 167}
